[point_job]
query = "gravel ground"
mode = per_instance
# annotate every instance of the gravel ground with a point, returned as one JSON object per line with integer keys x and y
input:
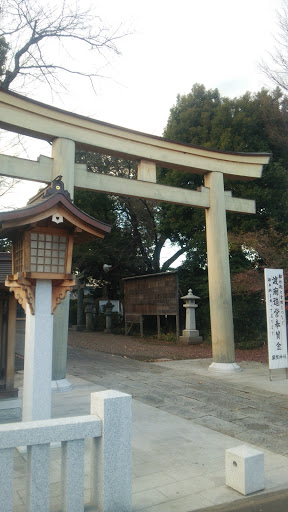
{"x": 150, "y": 349}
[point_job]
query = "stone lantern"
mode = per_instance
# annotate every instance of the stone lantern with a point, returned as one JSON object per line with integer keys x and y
{"x": 43, "y": 234}
{"x": 190, "y": 335}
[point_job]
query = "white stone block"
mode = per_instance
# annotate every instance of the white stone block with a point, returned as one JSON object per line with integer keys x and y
{"x": 6, "y": 479}
{"x": 72, "y": 476}
{"x": 111, "y": 457}
{"x": 49, "y": 431}
{"x": 38, "y": 478}
{"x": 244, "y": 468}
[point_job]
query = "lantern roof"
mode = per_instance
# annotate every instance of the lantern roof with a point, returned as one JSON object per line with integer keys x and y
{"x": 50, "y": 207}
{"x": 190, "y": 295}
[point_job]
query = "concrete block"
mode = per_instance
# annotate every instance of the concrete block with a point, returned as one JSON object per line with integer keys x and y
{"x": 10, "y": 409}
{"x": 244, "y": 467}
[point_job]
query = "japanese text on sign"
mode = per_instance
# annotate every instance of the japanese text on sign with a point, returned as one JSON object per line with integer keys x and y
{"x": 276, "y": 318}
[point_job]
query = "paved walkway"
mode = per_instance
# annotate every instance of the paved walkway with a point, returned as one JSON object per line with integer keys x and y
{"x": 184, "y": 417}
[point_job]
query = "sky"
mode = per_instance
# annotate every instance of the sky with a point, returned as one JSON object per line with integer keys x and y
{"x": 169, "y": 47}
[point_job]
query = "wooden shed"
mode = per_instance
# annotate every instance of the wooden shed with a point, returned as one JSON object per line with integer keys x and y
{"x": 153, "y": 295}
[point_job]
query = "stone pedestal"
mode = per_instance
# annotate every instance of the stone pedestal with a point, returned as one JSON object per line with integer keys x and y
{"x": 38, "y": 355}
{"x": 224, "y": 367}
{"x": 191, "y": 338}
{"x": 78, "y": 327}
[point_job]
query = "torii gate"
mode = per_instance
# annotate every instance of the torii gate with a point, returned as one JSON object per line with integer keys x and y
{"x": 67, "y": 131}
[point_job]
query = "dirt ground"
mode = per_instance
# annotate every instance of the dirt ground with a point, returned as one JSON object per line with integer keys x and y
{"x": 149, "y": 349}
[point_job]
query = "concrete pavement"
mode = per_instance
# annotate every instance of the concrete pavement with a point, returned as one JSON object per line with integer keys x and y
{"x": 245, "y": 405}
{"x": 272, "y": 502}
{"x": 184, "y": 417}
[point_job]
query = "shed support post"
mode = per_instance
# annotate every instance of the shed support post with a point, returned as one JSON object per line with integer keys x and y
{"x": 158, "y": 325}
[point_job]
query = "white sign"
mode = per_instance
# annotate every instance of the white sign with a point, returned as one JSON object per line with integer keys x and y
{"x": 276, "y": 318}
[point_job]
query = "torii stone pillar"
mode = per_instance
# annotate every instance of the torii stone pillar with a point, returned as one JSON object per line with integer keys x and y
{"x": 63, "y": 154}
{"x": 219, "y": 277}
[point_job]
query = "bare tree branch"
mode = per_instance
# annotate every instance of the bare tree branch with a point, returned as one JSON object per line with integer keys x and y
{"x": 34, "y": 32}
{"x": 276, "y": 68}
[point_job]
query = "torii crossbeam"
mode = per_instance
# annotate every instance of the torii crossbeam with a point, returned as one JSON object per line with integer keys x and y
{"x": 67, "y": 131}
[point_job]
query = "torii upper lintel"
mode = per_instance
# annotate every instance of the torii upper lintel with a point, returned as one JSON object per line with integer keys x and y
{"x": 29, "y": 117}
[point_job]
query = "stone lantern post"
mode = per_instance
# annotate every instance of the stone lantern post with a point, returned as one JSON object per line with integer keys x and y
{"x": 43, "y": 234}
{"x": 108, "y": 314}
{"x": 90, "y": 310}
{"x": 190, "y": 335}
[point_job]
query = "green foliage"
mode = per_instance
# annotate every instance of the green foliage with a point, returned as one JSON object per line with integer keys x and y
{"x": 5, "y": 245}
{"x": 190, "y": 119}
{"x": 249, "y": 320}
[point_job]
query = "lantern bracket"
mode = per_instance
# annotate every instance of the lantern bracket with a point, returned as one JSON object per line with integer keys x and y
{"x": 23, "y": 287}
{"x": 59, "y": 292}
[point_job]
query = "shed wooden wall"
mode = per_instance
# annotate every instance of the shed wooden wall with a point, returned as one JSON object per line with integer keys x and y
{"x": 155, "y": 294}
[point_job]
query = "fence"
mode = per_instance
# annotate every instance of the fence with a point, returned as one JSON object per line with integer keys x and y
{"x": 108, "y": 426}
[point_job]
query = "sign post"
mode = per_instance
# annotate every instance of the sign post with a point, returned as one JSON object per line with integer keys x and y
{"x": 276, "y": 319}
